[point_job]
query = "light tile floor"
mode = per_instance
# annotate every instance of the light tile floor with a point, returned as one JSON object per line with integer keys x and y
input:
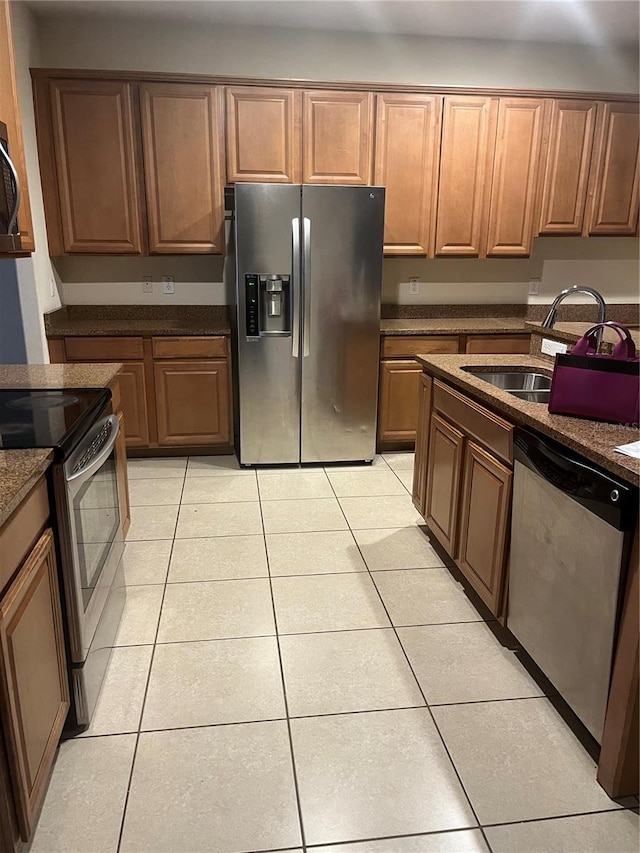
{"x": 295, "y": 668}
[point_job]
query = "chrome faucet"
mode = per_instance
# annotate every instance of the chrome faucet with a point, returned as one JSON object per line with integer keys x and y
{"x": 550, "y": 319}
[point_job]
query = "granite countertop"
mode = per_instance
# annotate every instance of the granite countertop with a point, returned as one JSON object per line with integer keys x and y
{"x": 455, "y": 326}
{"x": 120, "y": 320}
{"x": 20, "y": 470}
{"x": 571, "y": 332}
{"x": 592, "y": 439}
{"x": 40, "y": 376}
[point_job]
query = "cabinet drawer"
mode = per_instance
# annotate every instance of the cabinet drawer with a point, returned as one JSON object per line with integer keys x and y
{"x": 205, "y": 347}
{"x": 22, "y": 530}
{"x": 475, "y": 420}
{"x": 403, "y": 347}
{"x": 104, "y": 349}
{"x": 507, "y": 344}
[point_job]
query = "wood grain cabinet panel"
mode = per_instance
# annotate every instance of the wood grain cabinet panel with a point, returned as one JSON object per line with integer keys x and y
{"x": 566, "y": 171}
{"x": 33, "y": 678}
{"x": 422, "y": 443}
{"x": 263, "y": 135}
{"x": 93, "y": 136}
{"x": 407, "y": 158}
{"x": 10, "y": 115}
{"x": 398, "y": 404}
{"x": 133, "y": 395}
{"x": 466, "y": 159}
{"x": 444, "y": 469}
{"x": 183, "y": 167}
{"x": 193, "y": 402}
{"x": 337, "y": 137}
{"x": 613, "y": 190}
{"x": 514, "y": 185}
{"x": 505, "y": 344}
{"x": 484, "y": 525}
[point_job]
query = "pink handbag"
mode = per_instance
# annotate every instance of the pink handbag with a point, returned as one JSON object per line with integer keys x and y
{"x": 602, "y": 387}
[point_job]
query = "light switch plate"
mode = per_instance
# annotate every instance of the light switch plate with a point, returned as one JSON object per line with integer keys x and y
{"x": 553, "y": 347}
{"x": 147, "y": 284}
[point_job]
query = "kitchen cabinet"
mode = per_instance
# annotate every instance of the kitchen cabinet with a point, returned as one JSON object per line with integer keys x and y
{"x": 514, "y": 186}
{"x": 566, "y": 167}
{"x": 133, "y": 391}
{"x": 444, "y": 469}
{"x": 466, "y": 167}
{"x": 505, "y": 344}
{"x": 183, "y": 167}
{"x": 96, "y": 171}
{"x": 484, "y": 523}
{"x": 10, "y": 115}
{"x": 398, "y": 405}
{"x": 34, "y": 692}
{"x": 406, "y": 163}
{"x": 613, "y": 187}
{"x": 193, "y": 402}
{"x": 263, "y": 134}
{"x": 422, "y": 443}
{"x": 337, "y": 137}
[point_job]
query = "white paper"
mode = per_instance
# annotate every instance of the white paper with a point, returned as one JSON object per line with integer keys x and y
{"x": 632, "y": 449}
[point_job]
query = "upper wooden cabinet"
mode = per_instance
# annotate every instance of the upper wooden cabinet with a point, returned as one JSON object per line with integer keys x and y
{"x": 263, "y": 135}
{"x": 337, "y": 137}
{"x": 182, "y": 147}
{"x": 613, "y": 185}
{"x": 10, "y": 115}
{"x": 407, "y": 159}
{"x": 466, "y": 161}
{"x": 566, "y": 170}
{"x": 95, "y": 163}
{"x": 514, "y": 185}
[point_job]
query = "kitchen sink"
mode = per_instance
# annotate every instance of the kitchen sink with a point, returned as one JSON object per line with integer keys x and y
{"x": 526, "y": 385}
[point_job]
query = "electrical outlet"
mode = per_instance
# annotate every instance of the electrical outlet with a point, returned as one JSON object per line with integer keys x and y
{"x": 168, "y": 284}
{"x": 549, "y": 347}
{"x": 534, "y": 286}
{"x": 53, "y": 290}
{"x": 147, "y": 284}
{"x": 414, "y": 286}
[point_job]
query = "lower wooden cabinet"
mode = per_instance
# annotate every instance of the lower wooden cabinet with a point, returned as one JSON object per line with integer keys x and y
{"x": 192, "y": 402}
{"x": 422, "y": 443}
{"x": 444, "y": 467}
{"x": 398, "y": 406}
{"x": 133, "y": 392}
{"x": 34, "y": 689}
{"x": 496, "y": 344}
{"x": 484, "y": 524}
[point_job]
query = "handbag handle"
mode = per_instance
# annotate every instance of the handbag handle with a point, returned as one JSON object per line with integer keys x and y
{"x": 624, "y": 350}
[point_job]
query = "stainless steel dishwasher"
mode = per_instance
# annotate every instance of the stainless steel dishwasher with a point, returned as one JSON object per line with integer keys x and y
{"x": 570, "y": 537}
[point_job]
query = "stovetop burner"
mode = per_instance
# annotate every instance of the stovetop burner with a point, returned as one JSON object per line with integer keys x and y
{"x": 43, "y": 400}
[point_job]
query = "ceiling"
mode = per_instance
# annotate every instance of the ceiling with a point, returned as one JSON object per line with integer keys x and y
{"x": 573, "y": 21}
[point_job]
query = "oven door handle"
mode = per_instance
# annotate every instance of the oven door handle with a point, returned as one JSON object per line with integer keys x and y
{"x": 79, "y": 477}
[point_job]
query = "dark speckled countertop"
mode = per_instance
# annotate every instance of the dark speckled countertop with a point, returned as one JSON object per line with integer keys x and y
{"x": 38, "y": 376}
{"x": 183, "y": 320}
{"x": 571, "y": 332}
{"x": 455, "y": 326}
{"x": 594, "y": 440}
{"x": 20, "y": 470}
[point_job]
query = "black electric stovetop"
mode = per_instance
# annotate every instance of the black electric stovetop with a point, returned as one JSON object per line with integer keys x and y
{"x": 49, "y": 418}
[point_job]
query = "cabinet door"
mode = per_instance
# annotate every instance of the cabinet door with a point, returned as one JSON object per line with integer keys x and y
{"x": 444, "y": 468}
{"x": 505, "y": 344}
{"x": 133, "y": 394}
{"x": 407, "y": 153}
{"x": 123, "y": 477}
{"x": 263, "y": 135}
{"x": 181, "y": 130}
{"x": 484, "y": 525}
{"x": 337, "y": 131}
{"x": 398, "y": 405}
{"x": 514, "y": 185}
{"x": 466, "y": 159}
{"x": 10, "y": 115}
{"x": 566, "y": 172}
{"x": 613, "y": 184}
{"x": 192, "y": 402}
{"x": 33, "y": 678}
{"x": 93, "y": 136}
{"x": 422, "y": 443}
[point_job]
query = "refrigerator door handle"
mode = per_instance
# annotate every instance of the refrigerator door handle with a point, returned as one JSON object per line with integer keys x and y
{"x": 295, "y": 286}
{"x": 306, "y": 277}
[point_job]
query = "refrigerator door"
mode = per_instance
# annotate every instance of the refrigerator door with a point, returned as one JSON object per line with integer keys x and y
{"x": 267, "y": 240}
{"x": 342, "y": 283}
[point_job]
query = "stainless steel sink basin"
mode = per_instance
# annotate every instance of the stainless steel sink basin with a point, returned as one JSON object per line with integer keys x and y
{"x": 526, "y": 385}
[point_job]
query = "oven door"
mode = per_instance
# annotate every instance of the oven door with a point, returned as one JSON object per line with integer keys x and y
{"x": 94, "y": 531}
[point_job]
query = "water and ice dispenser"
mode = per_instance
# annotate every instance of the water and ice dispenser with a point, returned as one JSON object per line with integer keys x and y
{"x": 268, "y": 305}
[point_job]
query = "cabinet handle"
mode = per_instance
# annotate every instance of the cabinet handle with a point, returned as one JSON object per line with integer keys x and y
{"x": 295, "y": 287}
{"x": 306, "y": 266}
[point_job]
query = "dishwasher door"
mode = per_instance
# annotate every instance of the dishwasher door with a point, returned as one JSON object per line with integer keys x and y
{"x": 565, "y": 572}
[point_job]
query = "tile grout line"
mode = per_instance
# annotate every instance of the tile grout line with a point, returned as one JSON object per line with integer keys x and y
{"x": 146, "y": 688}
{"x": 284, "y": 685}
{"x": 444, "y": 745}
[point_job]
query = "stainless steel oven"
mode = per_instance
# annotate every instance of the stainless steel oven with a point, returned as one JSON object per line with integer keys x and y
{"x": 91, "y": 544}
{"x": 9, "y": 198}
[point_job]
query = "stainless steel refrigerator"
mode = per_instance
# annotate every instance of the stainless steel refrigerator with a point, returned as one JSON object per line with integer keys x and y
{"x": 305, "y": 276}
